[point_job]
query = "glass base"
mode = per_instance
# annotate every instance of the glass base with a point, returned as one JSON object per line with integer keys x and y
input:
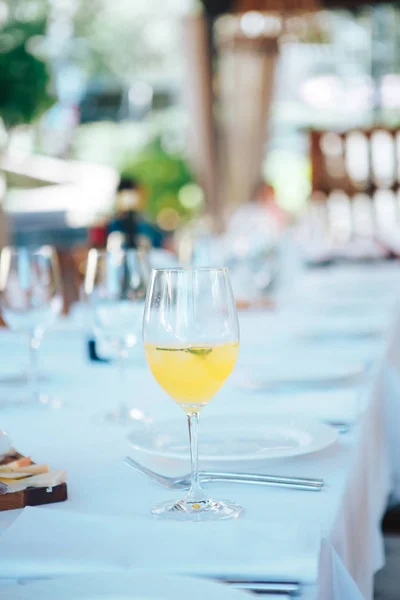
{"x": 50, "y": 401}
{"x": 116, "y": 417}
{"x": 40, "y": 400}
{"x": 20, "y": 378}
{"x": 123, "y": 416}
{"x": 208, "y": 510}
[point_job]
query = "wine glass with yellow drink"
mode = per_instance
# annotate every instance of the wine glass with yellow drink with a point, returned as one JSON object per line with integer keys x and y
{"x": 191, "y": 340}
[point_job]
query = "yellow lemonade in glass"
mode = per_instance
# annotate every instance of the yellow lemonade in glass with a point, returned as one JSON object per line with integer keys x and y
{"x": 191, "y": 375}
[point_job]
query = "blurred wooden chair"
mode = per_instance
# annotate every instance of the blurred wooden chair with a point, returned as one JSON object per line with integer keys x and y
{"x": 72, "y": 266}
{"x": 357, "y": 171}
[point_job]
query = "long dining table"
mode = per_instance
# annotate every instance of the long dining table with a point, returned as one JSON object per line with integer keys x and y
{"x": 326, "y": 544}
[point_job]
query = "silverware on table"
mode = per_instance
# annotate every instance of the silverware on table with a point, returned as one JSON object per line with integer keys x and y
{"x": 340, "y": 426}
{"x": 183, "y": 482}
{"x": 277, "y": 589}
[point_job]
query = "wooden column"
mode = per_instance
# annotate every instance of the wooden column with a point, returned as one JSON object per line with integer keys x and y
{"x": 247, "y": 67}
{"x": 199, "y": 99}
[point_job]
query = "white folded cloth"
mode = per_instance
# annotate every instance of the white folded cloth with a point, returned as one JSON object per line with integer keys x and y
{"x": 123, "y": 586}
{"x": 46, "y": 542}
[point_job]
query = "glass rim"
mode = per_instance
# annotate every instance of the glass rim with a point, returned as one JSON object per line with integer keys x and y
{"x": 43, "y": 249}
{"x": 105, "y": 252}
{"x": 188, "y": 269}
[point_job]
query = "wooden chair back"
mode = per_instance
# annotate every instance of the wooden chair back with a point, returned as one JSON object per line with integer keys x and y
{"x": 360, "y": 167}
{"x": 356, "y": 161}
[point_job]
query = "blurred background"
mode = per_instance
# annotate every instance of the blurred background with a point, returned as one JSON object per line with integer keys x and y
{"x": 171, "y": 116}
{"x": 213, "y": 131}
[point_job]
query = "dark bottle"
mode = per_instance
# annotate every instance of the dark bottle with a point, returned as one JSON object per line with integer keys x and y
{"x": 129, "y": 203}
{"x": 97, "y": 238}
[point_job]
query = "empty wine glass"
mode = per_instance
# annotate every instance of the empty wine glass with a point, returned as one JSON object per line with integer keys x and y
{"x": 115, "y": 287}
{"x": 31, "y": 300}
{"x": 191, "y": 339}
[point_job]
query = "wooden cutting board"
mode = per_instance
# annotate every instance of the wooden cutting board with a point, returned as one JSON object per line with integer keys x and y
{"x": 31, "y": 496}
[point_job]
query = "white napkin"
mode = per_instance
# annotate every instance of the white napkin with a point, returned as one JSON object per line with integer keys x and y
{"x": 51, "y": 542}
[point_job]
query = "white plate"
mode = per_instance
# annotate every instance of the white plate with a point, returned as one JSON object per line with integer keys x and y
{"x": 351, "y": 285}
{"x": 347, "y": 331}
{"x": 236, "y": 438}
{"x": 303, "y": 372}
{"x": 122, "y": 586}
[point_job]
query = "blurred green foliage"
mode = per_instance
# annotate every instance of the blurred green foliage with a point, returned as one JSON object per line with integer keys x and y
{"x": 24, "y": 78}
{"x": 162, "y": 174}
{"x": 294, "y": 191}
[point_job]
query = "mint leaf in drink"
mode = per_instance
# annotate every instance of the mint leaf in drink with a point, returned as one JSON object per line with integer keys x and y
{"x": 199, "y": 351}
{"x": 169, "y": 349}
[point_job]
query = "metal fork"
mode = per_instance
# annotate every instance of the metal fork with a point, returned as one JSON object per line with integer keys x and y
{"x": 279, "y": 590}
{"x": 183, "y": 482}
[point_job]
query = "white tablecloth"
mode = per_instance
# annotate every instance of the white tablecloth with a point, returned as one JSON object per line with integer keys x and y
{"x": 360, "y": 469}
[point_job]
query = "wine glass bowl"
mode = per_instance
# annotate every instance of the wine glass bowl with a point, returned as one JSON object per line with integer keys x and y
{"x": 115, "y": 287}
{"x": 31, "y": 298}
{"x": 191, "y": 340}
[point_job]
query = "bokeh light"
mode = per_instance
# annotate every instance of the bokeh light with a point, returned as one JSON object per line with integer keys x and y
{"x": 191, "y": 196}
{"x": 168, "y": 219}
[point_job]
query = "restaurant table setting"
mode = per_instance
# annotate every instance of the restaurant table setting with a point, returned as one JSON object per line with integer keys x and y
{"x": 312, "y": 397}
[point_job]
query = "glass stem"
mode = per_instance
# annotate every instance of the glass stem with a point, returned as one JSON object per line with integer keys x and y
{"x": 121, "y": 373}
{"x": 33, "y": 367}
{"x": 195, "y": 494}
